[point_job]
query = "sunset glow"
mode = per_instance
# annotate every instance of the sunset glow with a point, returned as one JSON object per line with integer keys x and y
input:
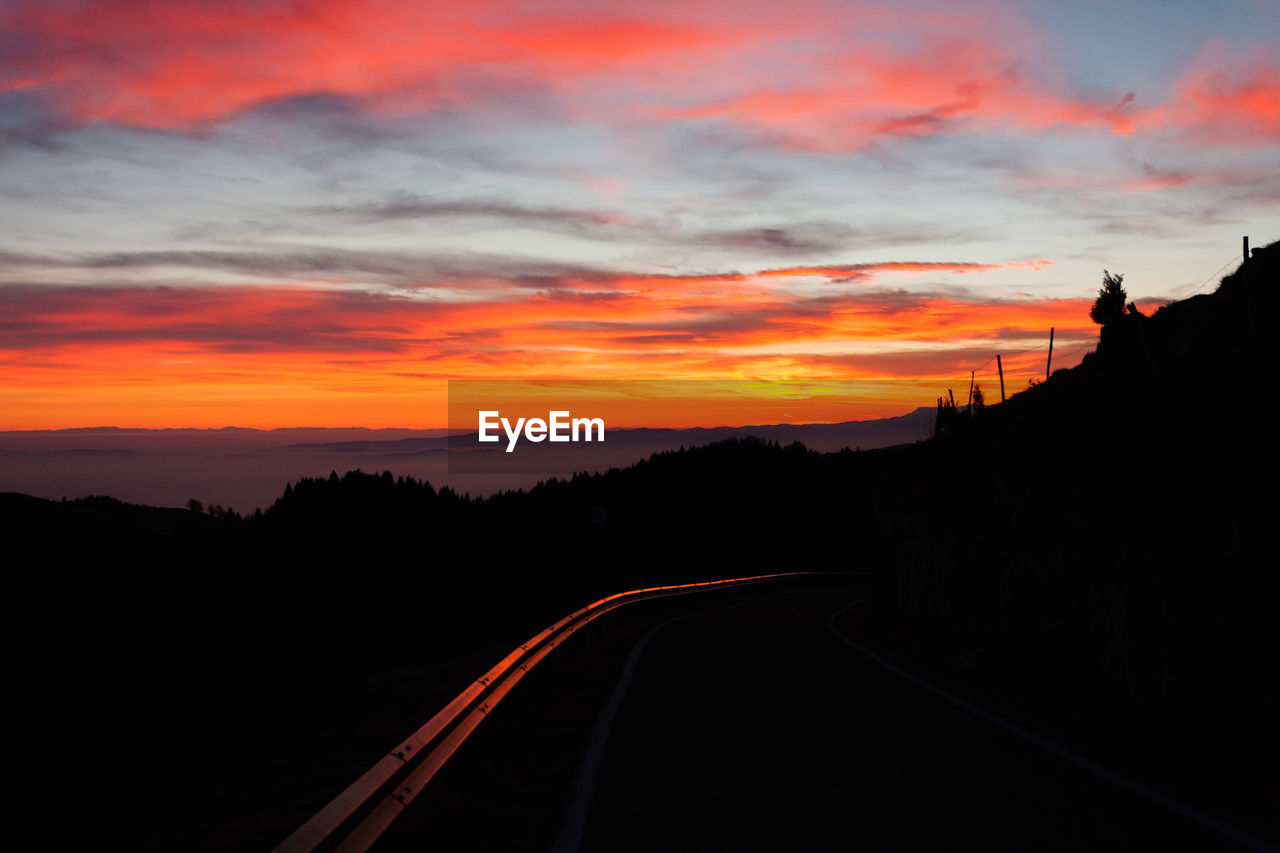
{"x": 317, "y": 213}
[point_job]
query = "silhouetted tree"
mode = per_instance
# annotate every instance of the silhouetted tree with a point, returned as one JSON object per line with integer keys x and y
{"x": 1111, "y": 299}
{"x": 979, "y": 401}
{"x": 195, "y": 505}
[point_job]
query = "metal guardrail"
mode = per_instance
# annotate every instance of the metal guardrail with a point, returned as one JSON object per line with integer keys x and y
{"x": 355, "y": 819}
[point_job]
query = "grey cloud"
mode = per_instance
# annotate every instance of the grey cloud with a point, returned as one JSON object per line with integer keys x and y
{"x": 405, "y": 206}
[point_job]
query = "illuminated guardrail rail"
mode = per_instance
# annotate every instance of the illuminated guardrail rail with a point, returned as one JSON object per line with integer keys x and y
{"x": 356, "y": 818}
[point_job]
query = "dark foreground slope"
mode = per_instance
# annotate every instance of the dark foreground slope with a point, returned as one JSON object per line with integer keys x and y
{"x": 1111, "y": 526}
{"x": 233, "y": 674}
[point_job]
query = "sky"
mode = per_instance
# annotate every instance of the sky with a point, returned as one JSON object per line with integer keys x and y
{"x": 316, "y": 212}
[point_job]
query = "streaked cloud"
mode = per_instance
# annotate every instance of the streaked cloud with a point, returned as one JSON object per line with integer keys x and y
{"x": 319, "y": 203}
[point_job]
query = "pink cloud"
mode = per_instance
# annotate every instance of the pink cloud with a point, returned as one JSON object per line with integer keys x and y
{"x": 175, "y": 64}
{"x": 870, "y": 92}
{"x": 1228, "y": 102}
{"x": 821, "y": 76}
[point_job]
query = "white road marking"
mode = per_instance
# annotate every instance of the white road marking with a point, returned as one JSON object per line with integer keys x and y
{"x": 569, "y": 839}
{"x": 1205, "y": 819}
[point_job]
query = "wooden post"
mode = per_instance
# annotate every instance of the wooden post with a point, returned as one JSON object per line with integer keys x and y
{"x": 1000, "y": 366}
{"x": 953, "y": 398}
{"x": 1048, "y": 365}
{"x": 970, "y": 403}
{"x": 1246, "y": 249}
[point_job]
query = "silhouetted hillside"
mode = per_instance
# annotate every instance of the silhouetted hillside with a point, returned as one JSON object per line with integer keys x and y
{"x": 1110, "y": 524}
{"x": 261, "y": 633}
{"x": 691, "y": 513}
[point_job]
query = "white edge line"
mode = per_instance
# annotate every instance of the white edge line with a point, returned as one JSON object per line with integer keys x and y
{"x": 1205, "y": 819}
{"x": 569, "y": 839}
{"x": 322, "y": 825}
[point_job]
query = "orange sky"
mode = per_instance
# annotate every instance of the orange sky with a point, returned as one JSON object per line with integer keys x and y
{"x": 273, "y": 356}
{"x": 317, "y": 212}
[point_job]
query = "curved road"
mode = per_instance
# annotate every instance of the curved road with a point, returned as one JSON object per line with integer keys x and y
{"x": 743, "y": 723}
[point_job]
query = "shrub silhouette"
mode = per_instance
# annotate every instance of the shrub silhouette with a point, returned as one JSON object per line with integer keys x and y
{"x": 945, "y": 418}
{"x": 1111, "y": 299}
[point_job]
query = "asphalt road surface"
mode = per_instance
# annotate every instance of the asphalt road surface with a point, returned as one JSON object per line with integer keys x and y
{"x": 738, "y": 721}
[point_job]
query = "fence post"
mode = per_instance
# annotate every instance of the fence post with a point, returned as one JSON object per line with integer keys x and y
{"x": 1000, "y": 367}
{"x": 1049, "y": 364}
{"x": 1246, "y": 250}
{"x": 970, "y": 403}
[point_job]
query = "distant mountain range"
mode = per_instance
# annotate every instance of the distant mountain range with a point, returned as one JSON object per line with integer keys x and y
{"x": 248, "y": 468}
{"x": 881, "y": 432}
